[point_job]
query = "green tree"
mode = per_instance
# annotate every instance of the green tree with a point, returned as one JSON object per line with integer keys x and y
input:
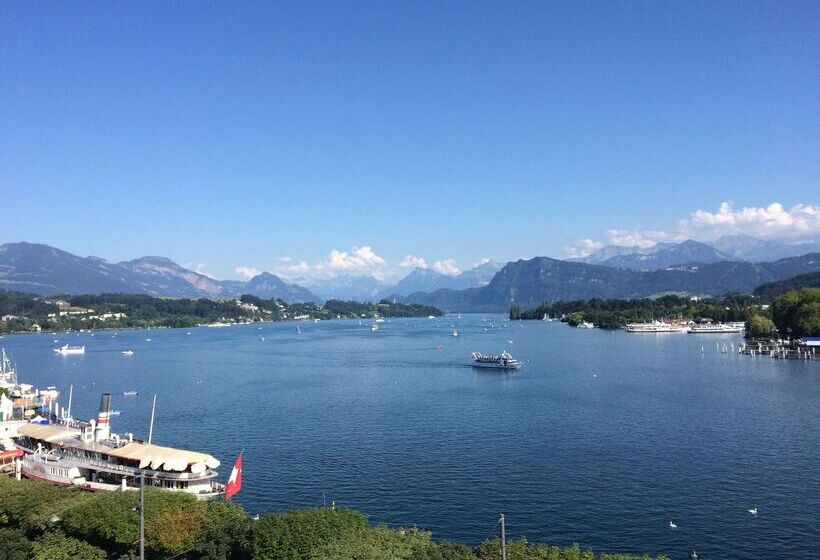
{"x": 797, "y": 313}
{"x": 56, "y": 546}
{"x": 759, "y": 326}
{"x": 14, "y": 545}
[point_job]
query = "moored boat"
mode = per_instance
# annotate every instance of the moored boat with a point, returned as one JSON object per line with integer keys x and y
{"x": 656, "y": 327}
{"x": 88, "y": 455}
{"x": 714, "y": 328}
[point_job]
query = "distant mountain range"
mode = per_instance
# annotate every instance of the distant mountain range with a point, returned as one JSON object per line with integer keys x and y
{"x": 669, "y": 255}
{"x": 528, "y": 283}
{"x": 690, "y": 267}
{"x": 726, "y": 248}
{"x": 44, "y": 270}
{"x": 368, "y": 288}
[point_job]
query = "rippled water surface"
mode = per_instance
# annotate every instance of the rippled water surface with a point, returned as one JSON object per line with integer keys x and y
{"x": 602, "y": 438}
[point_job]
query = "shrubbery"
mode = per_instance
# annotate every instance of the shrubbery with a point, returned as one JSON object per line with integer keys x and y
{"x": 42, "y": 522}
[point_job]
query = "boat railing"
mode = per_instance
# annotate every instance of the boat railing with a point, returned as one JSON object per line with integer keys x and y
{"x": 125, "y": 469}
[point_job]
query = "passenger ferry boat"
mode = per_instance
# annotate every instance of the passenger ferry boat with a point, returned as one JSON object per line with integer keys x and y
{"x": 66, "y": 350}
{"x": 715, "y": 328}
{"x": 656, "y": 327}
{"x": 500, "y": 361}
{"x": 88, "y": 455}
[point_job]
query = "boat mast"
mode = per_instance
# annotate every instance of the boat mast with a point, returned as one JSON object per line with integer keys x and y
{"x": 151, "y": 428}
{"x": 70, "y": 394}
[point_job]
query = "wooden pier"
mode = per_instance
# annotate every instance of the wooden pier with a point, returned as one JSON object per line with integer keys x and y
{"x": 778, "y": 351}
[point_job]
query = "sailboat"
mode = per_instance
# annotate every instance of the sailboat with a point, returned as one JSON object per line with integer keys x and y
{"x": 374, "y": 328}
{"x": 455, "y": 332}
{"x": 298, "y": 330}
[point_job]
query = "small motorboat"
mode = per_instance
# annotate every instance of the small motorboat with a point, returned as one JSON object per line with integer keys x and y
{"x": 69, "y": 350}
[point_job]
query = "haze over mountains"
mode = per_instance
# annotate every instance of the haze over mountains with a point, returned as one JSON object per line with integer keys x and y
{"x": 738, "y": 247}
{"x": 689, "y": 267}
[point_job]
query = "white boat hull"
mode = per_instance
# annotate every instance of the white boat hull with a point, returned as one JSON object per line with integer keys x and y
{"x": 496, "y": 366}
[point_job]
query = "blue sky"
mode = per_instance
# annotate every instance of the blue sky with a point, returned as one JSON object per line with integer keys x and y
{"x": 237, "y": 134}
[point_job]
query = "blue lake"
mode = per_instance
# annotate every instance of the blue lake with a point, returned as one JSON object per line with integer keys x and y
{"x": 602, "y": 438}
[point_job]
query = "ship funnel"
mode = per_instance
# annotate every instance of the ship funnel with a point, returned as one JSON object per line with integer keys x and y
{"x": 103, "y": 429}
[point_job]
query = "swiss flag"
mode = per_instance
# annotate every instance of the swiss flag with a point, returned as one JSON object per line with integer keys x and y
{"x": 235, "y": 481}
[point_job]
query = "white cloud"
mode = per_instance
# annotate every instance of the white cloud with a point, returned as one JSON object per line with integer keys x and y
{"x": 582, "y": 248}
{"x": 481, "y": 261}
{"x": 410, "y": 261}
{"x": 772, "y": 222}
{"x": 302, "y": 268}
{"x": 199, "y": 268}
{"x": 285, "y": 259}
{"x": 642, "y": 238}
{"x": 359, "y": 261}
{"x": 447, "y": 267}
{"x": 246, "y": 272}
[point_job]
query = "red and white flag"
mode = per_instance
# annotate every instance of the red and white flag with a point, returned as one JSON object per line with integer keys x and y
{"x": 235, "y": 481}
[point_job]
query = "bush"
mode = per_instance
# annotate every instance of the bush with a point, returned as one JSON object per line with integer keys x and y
{"x": 14, "y": 545}
{"x": 57, "y": 546}
{"x": 759, "y": 327}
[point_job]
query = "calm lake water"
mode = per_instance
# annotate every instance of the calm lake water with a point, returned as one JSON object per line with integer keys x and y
{"x": 602, "y": 438}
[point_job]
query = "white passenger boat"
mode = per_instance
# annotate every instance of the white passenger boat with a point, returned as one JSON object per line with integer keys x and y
{"x": 497, "y": 361}
{"x": 656, "y": 327}
{"x": 88, "y": 455}
{"x": 69, "y": 350}
{"x": 127, "y": 352}
{"x": 374, "y": 328}
{"x": 586, "y": 325}
{"x": 714, "y": 328}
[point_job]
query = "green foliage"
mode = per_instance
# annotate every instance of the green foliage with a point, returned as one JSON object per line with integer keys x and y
{"x": 56, "y": 546}
{"x": 14, "y": 545}
{"x": 298, "y": 534}
{"x": 173, "y": 521}
{"x": 797, "y": 313}
{"x": 615, "y": 313}
{"x": 384, "y": 308}
{"x": 759, "y": 327}
{"x": 375, "y": 543}
{"x": 574, "y": 319}
{"x": 770, "y": 291}
{"x": 31, "y": 505}
{"x": 521, "y": 549}
{"x": 146, "y": 311}
{"x": 444, "y": 550}
{"x": 105, "y": 526}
